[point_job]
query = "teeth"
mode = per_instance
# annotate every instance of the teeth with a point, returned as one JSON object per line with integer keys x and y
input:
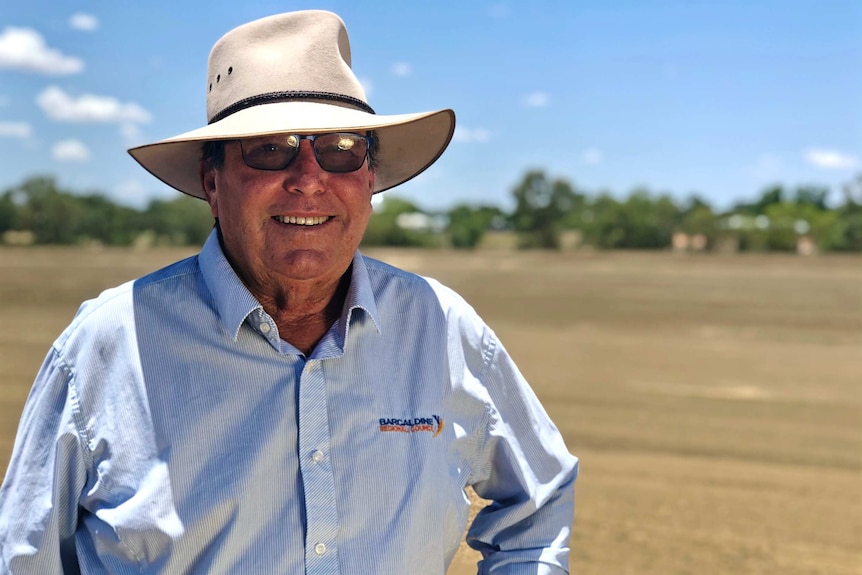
{"x": 302, "y": 221}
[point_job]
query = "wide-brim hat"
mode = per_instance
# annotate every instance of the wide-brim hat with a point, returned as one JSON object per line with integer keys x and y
{"x": 291, "y": 73}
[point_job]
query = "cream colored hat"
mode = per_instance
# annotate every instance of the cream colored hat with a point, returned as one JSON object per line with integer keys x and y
{"x": 290, "y": 73}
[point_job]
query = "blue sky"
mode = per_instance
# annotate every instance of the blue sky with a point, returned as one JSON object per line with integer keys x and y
{"x": 719, "y": 98}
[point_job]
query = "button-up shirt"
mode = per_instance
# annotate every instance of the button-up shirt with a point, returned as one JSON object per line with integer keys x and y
{"x": 171, "y": 430}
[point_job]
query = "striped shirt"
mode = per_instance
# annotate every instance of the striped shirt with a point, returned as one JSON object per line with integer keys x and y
{"x": 171, "y": 430}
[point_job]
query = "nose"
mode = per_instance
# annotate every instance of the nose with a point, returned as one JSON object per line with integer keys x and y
{"x": 304, "y": 174}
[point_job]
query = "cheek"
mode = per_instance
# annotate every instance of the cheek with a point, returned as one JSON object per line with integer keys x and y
{"x": 364, "y": 209}
{"x": 226, "y": 201}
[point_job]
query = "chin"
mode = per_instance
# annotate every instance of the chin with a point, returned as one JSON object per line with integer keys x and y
{"x": 308, "y": 264}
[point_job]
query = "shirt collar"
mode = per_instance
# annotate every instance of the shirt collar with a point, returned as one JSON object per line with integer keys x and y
{"x": 234, "y": 302}
{"x": 359, "y": 296}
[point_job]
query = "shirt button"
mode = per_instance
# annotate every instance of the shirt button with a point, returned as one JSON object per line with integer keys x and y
{"x": 317, "y": 457}
{"x": 264, "y": 327}
{"x": 320, "y": 548}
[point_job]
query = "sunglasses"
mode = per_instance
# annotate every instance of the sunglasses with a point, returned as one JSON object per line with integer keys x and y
{"x": 335, "y": 152}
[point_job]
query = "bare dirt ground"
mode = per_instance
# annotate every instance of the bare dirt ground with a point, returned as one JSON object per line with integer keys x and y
{"x": 715, "y": 401}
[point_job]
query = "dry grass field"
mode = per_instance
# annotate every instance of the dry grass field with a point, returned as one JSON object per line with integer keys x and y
{"x": 715, "y": 401}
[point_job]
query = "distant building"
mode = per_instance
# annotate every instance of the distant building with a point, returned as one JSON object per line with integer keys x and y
{"x": 19, "y": 237}
{"x": 683, "y": 242}
{"x": 805, "y": 246}
{"x": 421, "y": 222}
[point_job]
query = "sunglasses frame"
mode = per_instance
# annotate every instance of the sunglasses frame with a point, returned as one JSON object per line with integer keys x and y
{"x": 311, "y": 138}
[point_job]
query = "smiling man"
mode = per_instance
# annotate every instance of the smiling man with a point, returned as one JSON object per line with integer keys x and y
{"x": 291, "y": 211}
{"x": 281, "y": 403}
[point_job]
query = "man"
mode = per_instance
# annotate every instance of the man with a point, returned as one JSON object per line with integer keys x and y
{"x": 280, "y": 403}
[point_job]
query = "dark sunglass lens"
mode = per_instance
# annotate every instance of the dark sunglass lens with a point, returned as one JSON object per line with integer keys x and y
{"x": 269, "y": 153}
{"x": 340, "y": 152}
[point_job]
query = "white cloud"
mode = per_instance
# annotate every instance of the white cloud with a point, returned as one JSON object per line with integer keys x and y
{"x": 25, "y": 49}
{"x": 592, "y": 156}
{"x": 70, "y": 151}
{"x": 467, "y": 135}
{"x": 367, "y": 86}
{"x": 831, "y": 159}
{"x": 83, "y": 22}
{"x": 15, "y": 130}
{"x": 402, "y": 69}
{"x": 537, "y": 100}
{"x": 58, "y": 105}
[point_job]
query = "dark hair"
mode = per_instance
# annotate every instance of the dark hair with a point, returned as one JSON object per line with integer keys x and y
{"x": 212, "y": 152}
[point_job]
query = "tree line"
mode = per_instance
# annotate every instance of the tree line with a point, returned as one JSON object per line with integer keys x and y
{"x": 548, "y": 213}
{"x": 42, "y": 213}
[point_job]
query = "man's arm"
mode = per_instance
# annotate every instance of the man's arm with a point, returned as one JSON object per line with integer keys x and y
{"x": 47, "y": 472}
{"x": 527, "y": 473}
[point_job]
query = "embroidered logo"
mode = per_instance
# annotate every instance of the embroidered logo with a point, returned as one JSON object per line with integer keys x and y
{"x": 433, "y": 424}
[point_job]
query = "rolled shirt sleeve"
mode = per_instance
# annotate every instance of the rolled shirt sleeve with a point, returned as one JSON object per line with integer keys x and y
{"x": 527, "y": 473}
{"x": 47, "y": 472}
{"x": 520, "y": 463}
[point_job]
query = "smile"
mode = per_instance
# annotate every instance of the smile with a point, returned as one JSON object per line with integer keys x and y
{"x": 301, "y": 220}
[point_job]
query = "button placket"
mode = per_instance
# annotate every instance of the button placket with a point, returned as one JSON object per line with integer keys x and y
{"x": 321, "y": 553}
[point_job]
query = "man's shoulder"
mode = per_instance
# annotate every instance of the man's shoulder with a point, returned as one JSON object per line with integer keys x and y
{"x": 112, "y": 297}
{"x": 382, "y": 269}
{"x": 113, "y": 308}
{"x": 451, "y": 302}
{"x": 170, "y": 273}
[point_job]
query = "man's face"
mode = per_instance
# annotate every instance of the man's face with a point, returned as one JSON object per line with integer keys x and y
{"x": 299, "y": 223}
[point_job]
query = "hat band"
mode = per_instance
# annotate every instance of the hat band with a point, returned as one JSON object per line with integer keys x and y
{"x": 287, "y": 96}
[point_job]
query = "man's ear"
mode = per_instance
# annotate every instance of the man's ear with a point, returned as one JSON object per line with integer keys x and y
{"x": 208, "y": 183}
{"x": 371, "y": 177}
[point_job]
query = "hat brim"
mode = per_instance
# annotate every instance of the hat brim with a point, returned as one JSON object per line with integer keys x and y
{"x": 409, "y": 143}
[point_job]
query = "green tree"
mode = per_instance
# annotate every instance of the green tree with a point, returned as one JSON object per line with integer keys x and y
{"x": 814, "y": 196}
{"x": 638, "y": 222}
{"x": 603, "y": 222}
{"x": 107, "y": 222}
{"x": 53, "y": 216}
{"x": 383, "y": 228}
{"x": 774, "y": 194}
{"x": 541, "y": 206}
{"x": 846, "y": 232}
{"x": 8, "y": 213}
{"x": 467, "y": 224}
{"x": 183, "y": 220}
{"x": 697, "y": 217}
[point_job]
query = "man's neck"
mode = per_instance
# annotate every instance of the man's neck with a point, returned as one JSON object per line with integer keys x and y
{"x": 303, "y": 317}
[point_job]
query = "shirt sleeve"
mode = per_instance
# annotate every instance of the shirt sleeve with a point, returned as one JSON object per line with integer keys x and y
{"x": 526, "y": 471}
{"x": 46, "y": 474}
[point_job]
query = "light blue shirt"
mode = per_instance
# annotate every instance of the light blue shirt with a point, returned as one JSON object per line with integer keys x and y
{"x": 170, "y": 430}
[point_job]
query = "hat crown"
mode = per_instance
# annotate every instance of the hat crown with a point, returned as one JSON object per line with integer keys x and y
{"x": 290, "y": 74}
{"x": 301, "y": 55}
